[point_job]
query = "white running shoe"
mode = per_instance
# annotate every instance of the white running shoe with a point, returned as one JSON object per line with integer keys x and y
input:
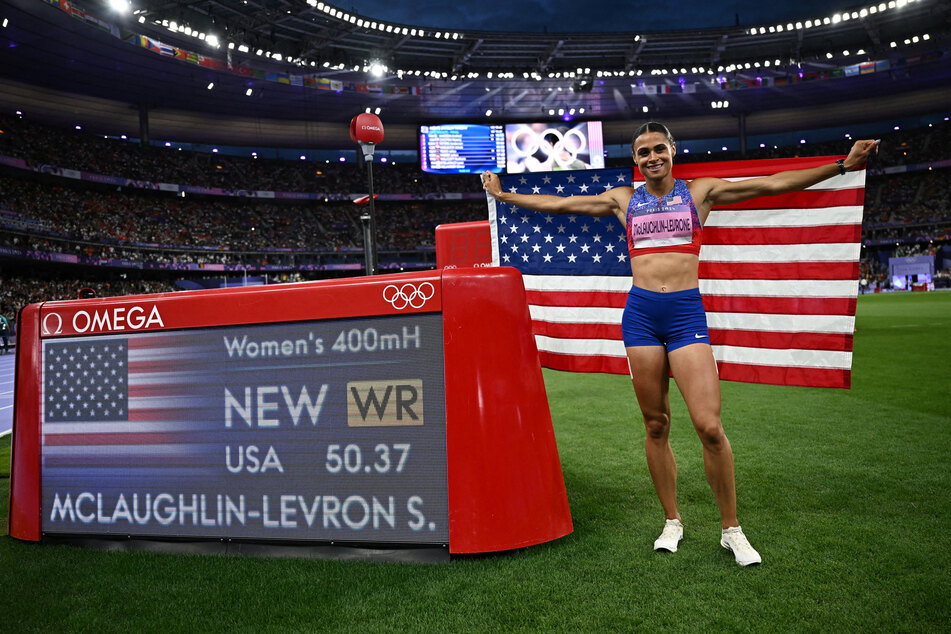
{"x": 733, "y": 539}
{"x": 673, "y": 533}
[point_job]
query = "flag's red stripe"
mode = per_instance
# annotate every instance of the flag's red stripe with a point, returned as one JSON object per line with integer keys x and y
{"x": 169, "y": 365}
{"x": 780, "y": 305}
{"x": 145, "y": 415}
{"x": 577, "y": 331}
{"x": 810, "y": 199}
{"x": 778, "y": 375}
{"x": 599, "y": 299}
{"x": 761, "y": 167}
{"x": 779, "y": 271}
{"x": 772, "y": 375}
{"x": 782, "y": 340}
{"x": 153, "y": 438}
{"x": 98, "y": 459}
{"x": 576, "y": 363}
{"x": 828, "y": 234}
{"x": 160, "y": 389}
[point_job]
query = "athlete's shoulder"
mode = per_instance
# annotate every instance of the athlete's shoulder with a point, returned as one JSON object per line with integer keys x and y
{"x": 622, "y": 193}
{"x": 700, "y": 187}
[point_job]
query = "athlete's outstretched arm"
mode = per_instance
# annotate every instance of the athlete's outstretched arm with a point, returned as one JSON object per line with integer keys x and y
{"x": 606, "y": 204}
{"x": 716, "y": 191}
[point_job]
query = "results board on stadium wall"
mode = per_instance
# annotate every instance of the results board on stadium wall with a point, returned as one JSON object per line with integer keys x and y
{"x": 320, "y": 430}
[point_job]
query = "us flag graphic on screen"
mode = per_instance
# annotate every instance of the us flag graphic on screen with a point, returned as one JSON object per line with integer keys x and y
{"x": 142, "y": 402}
{"x": 86, "y": 381}
{"x": 778, "y": 274}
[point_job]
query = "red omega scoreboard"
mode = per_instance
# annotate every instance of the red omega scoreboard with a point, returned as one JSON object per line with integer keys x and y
{"x": 397, "y": 411}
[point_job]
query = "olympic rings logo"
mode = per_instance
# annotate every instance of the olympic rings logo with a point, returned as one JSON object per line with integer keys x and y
{"x": 408, "y": 295}
{"x": 552, "y": 143}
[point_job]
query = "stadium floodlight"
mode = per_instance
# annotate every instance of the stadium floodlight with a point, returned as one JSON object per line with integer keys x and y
{"x": 120, "y": 6}
{"x": 211, "y": 85}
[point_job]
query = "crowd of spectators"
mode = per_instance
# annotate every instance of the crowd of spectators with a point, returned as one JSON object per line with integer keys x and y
{"x": 38, "y": 214}
{"x": 898, "y": 147}
{"x": 49, "y": 214}
{"x": 38, "y": 144}
{"x": 911, "y": 207}
{"x": 16, "y": 291}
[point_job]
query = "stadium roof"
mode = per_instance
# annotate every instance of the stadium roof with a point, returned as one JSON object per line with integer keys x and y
{"x": 292, "y": 71}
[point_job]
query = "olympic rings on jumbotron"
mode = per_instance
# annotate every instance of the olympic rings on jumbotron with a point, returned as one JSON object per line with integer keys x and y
{"x": 552, "y": 143}
{"x": 408, "y": 295}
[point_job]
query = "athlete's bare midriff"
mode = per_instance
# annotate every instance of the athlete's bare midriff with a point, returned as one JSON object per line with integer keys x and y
{"x": 665, "y": 272}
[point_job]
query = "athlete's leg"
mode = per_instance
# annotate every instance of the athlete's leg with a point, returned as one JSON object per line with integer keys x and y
{"x": 695, "y": 371}
{"x": 652, "y": 386}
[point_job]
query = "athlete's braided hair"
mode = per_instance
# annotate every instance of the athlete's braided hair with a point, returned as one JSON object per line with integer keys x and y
{"x": 652, "y": 126}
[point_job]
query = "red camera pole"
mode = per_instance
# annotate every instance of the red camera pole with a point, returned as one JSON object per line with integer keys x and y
{"x": 367, "y": 130}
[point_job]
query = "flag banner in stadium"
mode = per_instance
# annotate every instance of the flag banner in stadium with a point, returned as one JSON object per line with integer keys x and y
{"x": 778, "y": 274}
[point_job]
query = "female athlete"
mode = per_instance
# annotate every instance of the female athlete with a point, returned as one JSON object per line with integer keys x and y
{"x": 664, "y": 325}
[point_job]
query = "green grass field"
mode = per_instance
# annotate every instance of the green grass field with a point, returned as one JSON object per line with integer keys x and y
{"x": 847, "y": 495}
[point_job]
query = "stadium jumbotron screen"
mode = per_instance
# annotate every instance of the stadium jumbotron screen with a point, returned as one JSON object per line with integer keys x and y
{"x": 461, "y": 148}
{"x": 546, "y": 147}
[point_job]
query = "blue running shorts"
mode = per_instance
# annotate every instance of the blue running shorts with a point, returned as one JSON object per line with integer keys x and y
{"x": 672, "y": 320}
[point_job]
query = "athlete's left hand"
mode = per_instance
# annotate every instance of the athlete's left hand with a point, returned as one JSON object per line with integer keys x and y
{"x": 860, "y": 152}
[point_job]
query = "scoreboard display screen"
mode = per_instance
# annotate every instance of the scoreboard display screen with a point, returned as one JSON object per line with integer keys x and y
{"x": 461, "y": 148}
{"x": 317, "y": 430}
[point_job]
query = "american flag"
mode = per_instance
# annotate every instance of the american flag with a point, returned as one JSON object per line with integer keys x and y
{"x": 119, "y": 401}
{"x": 778, "y": 274}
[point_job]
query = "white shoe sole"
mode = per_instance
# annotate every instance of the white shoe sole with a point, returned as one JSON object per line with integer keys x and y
{"x": 751, "y": 562}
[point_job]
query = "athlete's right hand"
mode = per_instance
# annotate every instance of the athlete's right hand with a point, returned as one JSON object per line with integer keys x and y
{"x": 491, "y": 184}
